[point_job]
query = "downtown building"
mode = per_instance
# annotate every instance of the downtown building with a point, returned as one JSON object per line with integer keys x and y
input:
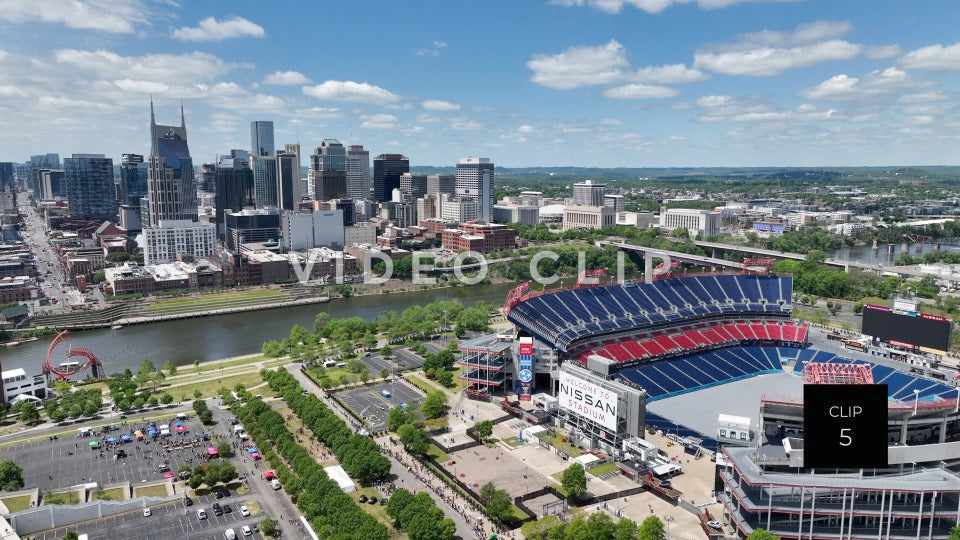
{"x": 234, "y": 187}
{"x": 173, "y": 229}
{"x": 89, "y": 186}
{"x": 134, "y": 175}
{"x": 358, "y": 172}
{"x": 475, "y": 178}
{"x": 387, "y": 169}
{"x": 328, "y": 167}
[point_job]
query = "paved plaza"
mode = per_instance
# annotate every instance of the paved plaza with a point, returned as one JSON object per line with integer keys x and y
{"x": 370, "y": 404}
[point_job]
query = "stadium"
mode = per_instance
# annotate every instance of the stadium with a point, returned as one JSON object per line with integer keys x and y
{"x": 698, "y": 346}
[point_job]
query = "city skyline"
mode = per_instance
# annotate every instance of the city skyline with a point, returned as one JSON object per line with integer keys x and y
{"x": 627, "y": 83}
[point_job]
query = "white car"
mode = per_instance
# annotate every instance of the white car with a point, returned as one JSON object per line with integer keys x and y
{"x": 714, "y": 524}
{"x": 146, "y": 512}
{"x": 246, "y": 530}
{"x": 201, "y": 513}
{"x": 244, "y": 511}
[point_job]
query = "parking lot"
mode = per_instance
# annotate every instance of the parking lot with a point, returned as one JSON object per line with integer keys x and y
{"x": 368, "y": 402}
{"x": 173, "y": 520}
{"x": 70, "y": 461}
{"x": 407, "y": 359}
{"x": 375, "y": 363}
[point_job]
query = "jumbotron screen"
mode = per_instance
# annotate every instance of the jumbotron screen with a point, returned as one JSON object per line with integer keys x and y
{"x": 899, "y": 329}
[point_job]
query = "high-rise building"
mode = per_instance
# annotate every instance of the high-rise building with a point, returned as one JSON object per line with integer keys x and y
{"x": 53, "y": 184}
{"x": 294, "y": 148}
{"x": 234, "y": 187}
{"x": 6, "y": 174}
{"x": 475, "y": 177}
{"x": 133, "y": 179}
{"x": 261, "y": 138}
{"x": 207, "y": 173}
{"x": 442, "y": 183}
{"x": 617, "y": 202}
{"x": 288, "y": 180}
{"x": 460, "y": 208}
{"x": 251, "y": 225}
{"x": 588, "y": 194}
{"x": 264, "y": 180}
{"x": 358, "y": 172}
{"x": 171, "y": 185}
{"x": 387, "y": 169}
{"x": 414, "y": 185}
{"x": 329, "y": 167}
{"x": 90, "y": 191}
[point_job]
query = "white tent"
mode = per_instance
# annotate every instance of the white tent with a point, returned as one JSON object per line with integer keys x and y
{"x": 340, "y": 476}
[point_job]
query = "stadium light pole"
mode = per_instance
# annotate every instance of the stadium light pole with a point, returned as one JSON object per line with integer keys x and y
{"x": 916, "y": 400}
{"x": 669, "y": 520}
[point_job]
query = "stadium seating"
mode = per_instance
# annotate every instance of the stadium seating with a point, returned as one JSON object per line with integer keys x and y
{"x": 900, "y": 385}
{"x": 692, "y": 339}
{"x": 674, "y": 376}
{"x": 563, "y": 317}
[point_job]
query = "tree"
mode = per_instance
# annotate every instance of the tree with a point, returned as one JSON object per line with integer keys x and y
{"x": 763, "y": 534}
{"x": 197, "y": 394}
{"x": 29, "y": 413}
{"x": 414, "y": 440}
{"x": 651, "y": 529}
{"x": 858, "y": 308}
{"x": 483, "y": 429}
{"x": 487, "y": 491}
{"x": 574, "y": 481}
{"x": 398, "y": 501}
{"x": 434, "y": 404}
{"x": 169, "y": 367}
{"x": 954, "y": 533}
{"x": 196, "y": 364}
{"x": 71, "y": 535}
{"x": 11, "y": 476}
{"x": 98, "y": 277}
{"x": 398, "y": 417}
{"x": 500, "y": 507}
{"x": 205, "y": 416}
{"x": 384, "y": 373}
{"x": 268, "y": 527}
{"x": 224, "y": 450}
{"x": 625, "y": 529}
{"x": 166, "y": 398}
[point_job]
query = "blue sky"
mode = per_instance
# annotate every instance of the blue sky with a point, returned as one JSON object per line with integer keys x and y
{"x": 531, "y": 83}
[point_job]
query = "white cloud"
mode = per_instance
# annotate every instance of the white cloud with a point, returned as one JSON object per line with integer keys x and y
{"x": 610, "y": 122}
{"x": 319, "y": 112}
{"x": 670, "y": 74}
{"x": 114, "y": 16}
{"x": 379, "y": 121}
{"x": 714, "y": 101}
{"x": 768, "y": 53}
{"x": 428, "y": 118}
{"x": 465, "y": 124}
{"x": 210, "y": 29}
{"x": 440, "y": 44}
{"x": 749, "y": 110}
{"x": 526, "y": 128}
{"x": 579, "y": 66}
{"x": 440, "y": 105}
{"x": 351, "y": 91}
{"x": 431, "y": 51}
{"x": 933, "y": 57}
{"x": 879, "y": 52}
{"x": 167, "y": 68}
{"x": 843, "y": 87}
{"x": 639, "y": 91}
{"x": 653, "y": 6}
{"x": 286, "y": 78}
{"x": 923, "y": 97}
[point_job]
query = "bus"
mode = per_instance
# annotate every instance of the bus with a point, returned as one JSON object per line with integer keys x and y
{"x": 834, "y": 337}
{"x": 855, "y": 345}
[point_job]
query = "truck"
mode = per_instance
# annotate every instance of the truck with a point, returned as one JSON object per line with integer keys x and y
{"x": 385, "y": 393}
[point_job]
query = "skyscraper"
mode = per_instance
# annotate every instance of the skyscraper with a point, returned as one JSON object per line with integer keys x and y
{"x": 261, "y": 138}
{"x": 387, "y": 169}
{"x": 6, "y": 175}
{"x": 295, "y": 149}
{"x": 475, "y": 176}
{"x": 90, "y": 191}
{"x": 234, "y": 190}
{"x": 264, "y": 180}
{"x": 588, "y": 194}
{"x": 133, "y": 179}
{"x": 329, "y": 167}
{"x": 207, "y": 172}
{"x": 358, "y": 172}
{"x": 288, "y": 180}
{"x": 171, "y": 185}
{"x": 439, "y": 184}
{"x": 413, "y": 185}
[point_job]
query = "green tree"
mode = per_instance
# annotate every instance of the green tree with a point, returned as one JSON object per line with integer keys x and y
{"x": 398, "y": 416}
{"x": 29, "y": 413}
{"x": 11, "y": 476}
{"x": 166, "y": 398}
{"x": 486, "y": 492}
{"x": 169, "y": 367}
{"x": 196, "y": 364}
{"x": 98, "y": 276}
{"x": 414, "y": 440}
{"x": 574, "y": 481}
{"x": 625, "y": 529}
{"x": 500, "y": 507}
{"x": 763, "y": 534}
{"x": 651, "y": 529}
{"x": 434, "y": 404}
{"x": 268, "y": 526}
{"x": 71, "y": 535}
{"x": 954, "y": 533}
{"x": 858, "y": 307}
{"x": 384, "y": 373}
{"x": 483, "y": 429}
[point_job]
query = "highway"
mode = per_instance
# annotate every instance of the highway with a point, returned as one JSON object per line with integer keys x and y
{"x": 50, "y": 272}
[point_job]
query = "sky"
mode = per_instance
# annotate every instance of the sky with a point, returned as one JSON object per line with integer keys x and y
{"x": 599, "y": 83}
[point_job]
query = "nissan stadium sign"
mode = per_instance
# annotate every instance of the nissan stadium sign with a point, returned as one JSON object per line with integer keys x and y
{"x": 588, "y": 400}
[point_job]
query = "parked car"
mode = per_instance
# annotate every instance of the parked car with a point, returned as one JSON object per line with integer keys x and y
{"x": 201, "y": 513}
{"x": 146, "y": 512}
{"x": 714, "y": 524}
{"x": 246, "y": 530}
{"x": 187, "y": 501}
{"x": 244, "y": 511}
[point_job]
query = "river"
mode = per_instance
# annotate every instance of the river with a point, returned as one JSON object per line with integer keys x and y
{"x": 866, "y": 254}
{"x": 222, "y": 336}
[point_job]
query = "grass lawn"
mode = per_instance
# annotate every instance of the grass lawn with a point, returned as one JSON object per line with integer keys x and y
{"x": 212, "y": 387}
{"x": 253, "y": 507}
{"x": 63, "y": 497}
{"x": 207, "y": 301}
{"x": 437, "y": 454}
{"x": 319, "y": 373}
{"x": 211, "y": 366}
{"x": 423, "y": 385}
{"x": 113, "y": 494}
{"x": 378, "y": 512}
{"x": 557, "y": 442}
{"x": 18, "y": 503}
{"x": 600, "y": 470}
{"x": 436, "y": 423}
{"x": 512, "y": 442}
{"x": 156, "y": 490}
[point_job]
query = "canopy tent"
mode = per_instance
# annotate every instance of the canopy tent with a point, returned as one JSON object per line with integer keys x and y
{"x": 94, "y": 444}
{"x": 126, "y": 438}
{"x": 168, "y": 475}
{"x": 112, "y": 439}
{"x": 255, "y": 455}
{"x": 212, "y": 451}
{"x": 252, "y": 449}
{"x": 181, "y": 429}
